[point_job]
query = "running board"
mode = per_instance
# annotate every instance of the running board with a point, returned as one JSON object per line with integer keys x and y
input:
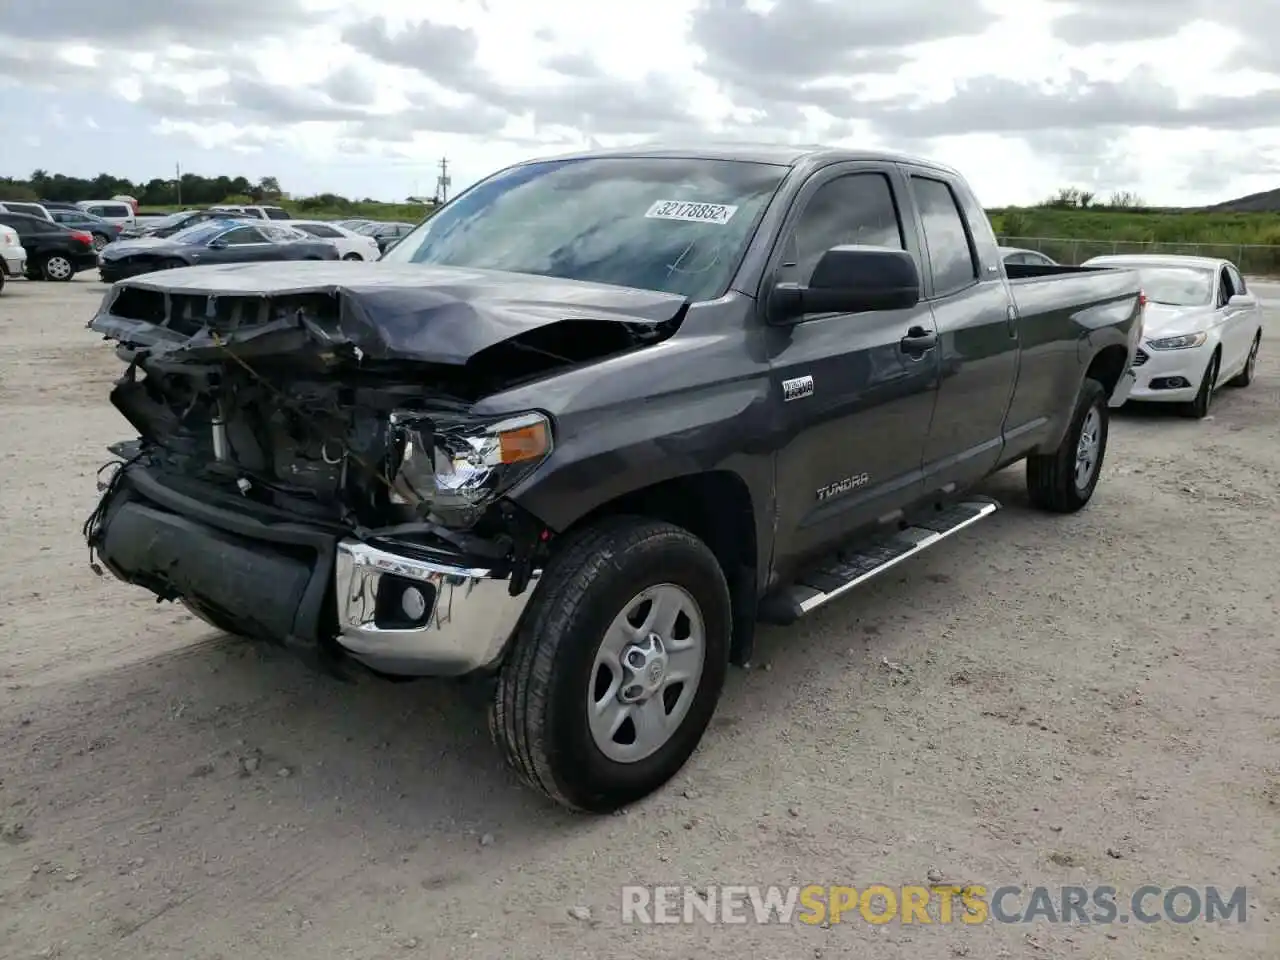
{"x": 854, "y": 566}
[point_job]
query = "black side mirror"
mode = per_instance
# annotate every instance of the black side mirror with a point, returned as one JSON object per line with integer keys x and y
{"x": 850, "y": 279}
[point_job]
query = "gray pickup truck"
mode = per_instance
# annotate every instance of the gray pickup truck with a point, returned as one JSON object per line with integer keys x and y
{"x": 584, "y": 428}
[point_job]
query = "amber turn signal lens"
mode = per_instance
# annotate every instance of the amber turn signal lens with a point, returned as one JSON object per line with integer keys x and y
{"x": 524, "y": 443}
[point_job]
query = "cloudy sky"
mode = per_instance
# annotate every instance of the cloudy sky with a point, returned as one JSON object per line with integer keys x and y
{"x": 1178, "y": 100}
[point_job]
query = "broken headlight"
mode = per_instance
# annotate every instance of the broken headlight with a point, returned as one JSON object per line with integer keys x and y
{"x": 450, "y": 467}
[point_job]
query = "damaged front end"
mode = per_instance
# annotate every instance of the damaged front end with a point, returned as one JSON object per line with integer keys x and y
{"x": 301, "y": 476}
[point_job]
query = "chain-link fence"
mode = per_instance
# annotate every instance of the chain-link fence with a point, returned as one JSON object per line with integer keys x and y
{"x": 1255, "y": 259}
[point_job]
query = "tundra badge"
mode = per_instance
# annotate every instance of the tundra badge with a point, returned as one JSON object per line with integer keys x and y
{"x": 797, "y": 388}
{"x": 842, "y": 486}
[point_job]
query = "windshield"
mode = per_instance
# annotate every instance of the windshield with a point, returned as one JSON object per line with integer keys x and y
{"x": 1177, "y": 286}
{"x": 201, "y": 232}
{"x": 172, "y": 220}
{"x": 675, "y": 225}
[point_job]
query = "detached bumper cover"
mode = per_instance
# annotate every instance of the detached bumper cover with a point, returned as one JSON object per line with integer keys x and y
{"x": 295, "y": 583}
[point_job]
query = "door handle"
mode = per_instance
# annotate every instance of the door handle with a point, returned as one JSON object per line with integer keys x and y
{"x": 1011, "y": 320}
{"x": 918, "y": 341}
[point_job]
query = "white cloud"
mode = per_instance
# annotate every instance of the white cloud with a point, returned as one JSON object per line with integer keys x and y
{"x": 1021, "y": 95}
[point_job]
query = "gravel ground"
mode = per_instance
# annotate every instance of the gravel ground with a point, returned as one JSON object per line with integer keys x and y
{"x": 1042, "y": 701}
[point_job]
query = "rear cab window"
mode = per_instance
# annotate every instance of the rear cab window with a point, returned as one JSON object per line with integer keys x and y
{"x": 953, "y": 259}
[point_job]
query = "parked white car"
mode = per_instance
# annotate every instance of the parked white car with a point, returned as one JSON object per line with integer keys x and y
{"x": 1202, "y": 328}
{"x": 30, "y": 209}
{"x": 351, "y": 245}
{"x": 257, "y": 212}
{"x": 118, "y": 212}
{"x": 13, "y": 256}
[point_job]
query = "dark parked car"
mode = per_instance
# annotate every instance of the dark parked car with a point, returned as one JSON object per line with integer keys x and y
{"x": 387, "y": 234}
{"x": 168, "y": 226}
{"x": 214, "y": 241}
{"x": 54, "y": 252}
{"x": 102, "y": 231}
{"x": 586, "y": 468}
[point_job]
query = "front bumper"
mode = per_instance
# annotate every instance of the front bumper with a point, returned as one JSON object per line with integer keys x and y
{"x": 306, "y": 585}
{"x": 109, "y": 271}
{"x": 1169, "y": 375}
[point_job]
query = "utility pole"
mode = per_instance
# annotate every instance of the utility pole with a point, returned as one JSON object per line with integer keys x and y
{"x": 443, "y": 181}
{"x": 177, "y": 179}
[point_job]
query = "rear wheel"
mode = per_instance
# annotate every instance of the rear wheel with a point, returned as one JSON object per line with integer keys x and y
{"x": 1198, "y": 408}
{"x": 1063, "y": 481}
{"x": 100, "y": 240}
{"x": 57, "y": 267}
{"x": 353, "y": 256}
{"x": 1245, "y": 376}
{"x": 1, "y": 281}
{"x": 617, "y": 666}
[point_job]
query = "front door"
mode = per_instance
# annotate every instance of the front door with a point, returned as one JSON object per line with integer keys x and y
{"x": 855, "y": 404}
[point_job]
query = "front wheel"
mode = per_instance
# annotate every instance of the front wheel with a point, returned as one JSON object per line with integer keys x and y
{"x": 618, "y": 665}
{"x": 353, "y": 256}
{"x": 1198, "y": 408}
{"x": 99, "y": 241}
{"x": 1063, "y": 481}
{"x": 1245, "y": 376}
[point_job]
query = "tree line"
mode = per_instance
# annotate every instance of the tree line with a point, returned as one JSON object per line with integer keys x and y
{"x": 190, "y": 189}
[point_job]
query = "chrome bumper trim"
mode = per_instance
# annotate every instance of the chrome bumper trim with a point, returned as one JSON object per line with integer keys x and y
{"x": 472, "y": 616}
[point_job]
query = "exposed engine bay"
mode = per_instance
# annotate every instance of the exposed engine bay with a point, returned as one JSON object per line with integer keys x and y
{"x": 347, "y": 406}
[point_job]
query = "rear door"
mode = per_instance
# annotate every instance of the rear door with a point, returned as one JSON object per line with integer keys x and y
{"x": 855, "y": 405}
{"x": 977, "y": 331}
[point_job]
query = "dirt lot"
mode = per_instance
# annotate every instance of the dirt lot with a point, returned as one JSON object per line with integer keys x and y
{"x": 1088, "y": 700}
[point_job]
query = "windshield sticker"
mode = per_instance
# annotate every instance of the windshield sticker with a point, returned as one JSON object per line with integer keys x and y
{"x": 717, "y": 213}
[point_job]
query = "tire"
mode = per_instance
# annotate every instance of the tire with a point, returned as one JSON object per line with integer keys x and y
{"x": 57, "y": 268}
{"x": 540, "y": 713}
{"x": 1198, "y": 408}
{"x": 100, "y": 240}
{"x": 1, "y": 281}
{"x": 1057, "y": 482}
{"x": 1246, "y": 376}
{"x": 171, "y": 263}
{"x": 352, "y": 256}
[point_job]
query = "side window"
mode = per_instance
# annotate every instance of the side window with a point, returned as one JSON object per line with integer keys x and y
{"x": 98, "y": 211}
{"x": 241, "y": 236}
{"x": 951, "y": 255}
{"x": 1224, "y": 287}
{"x": 857, "y": 208}
{"x": 1016, "y": 258}
{"x": 1237, "y": 281}
{"x": 320, "y": 230}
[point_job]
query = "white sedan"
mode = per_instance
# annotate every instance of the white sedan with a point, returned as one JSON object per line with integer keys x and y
{"x": 13, "y": 256}
{"x": 1201, "y": 328}
{"x": 351, "y": 245}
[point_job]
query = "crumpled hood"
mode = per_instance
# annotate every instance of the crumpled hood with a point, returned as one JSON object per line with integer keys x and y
{"x": 396, "y": 312}
{"x": 1162, "y": 320}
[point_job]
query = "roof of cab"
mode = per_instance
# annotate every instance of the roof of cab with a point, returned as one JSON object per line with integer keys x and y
{"x": 788, "y": 155}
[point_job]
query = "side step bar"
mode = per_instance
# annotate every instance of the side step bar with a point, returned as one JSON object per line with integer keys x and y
{"x": 855, "y": 565}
